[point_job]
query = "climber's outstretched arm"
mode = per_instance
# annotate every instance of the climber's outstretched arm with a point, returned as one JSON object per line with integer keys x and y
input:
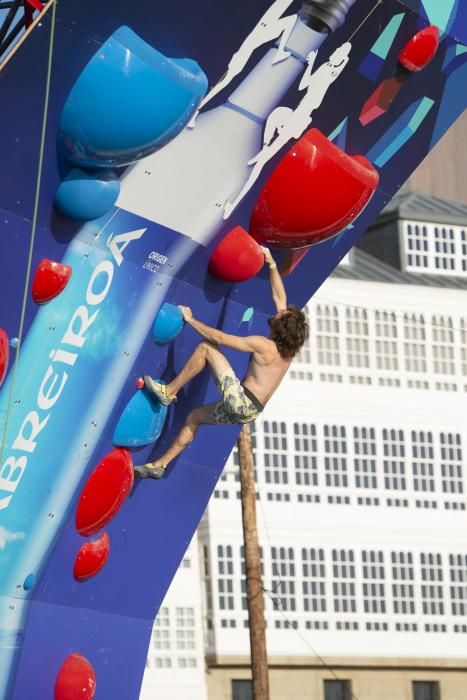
{"x": 279, "y": 295}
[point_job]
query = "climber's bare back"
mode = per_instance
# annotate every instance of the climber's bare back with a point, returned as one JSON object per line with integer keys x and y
{"x": 266, "y": 370}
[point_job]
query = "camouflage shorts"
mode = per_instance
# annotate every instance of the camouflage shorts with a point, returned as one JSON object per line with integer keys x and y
{"x": 235, "y": 406}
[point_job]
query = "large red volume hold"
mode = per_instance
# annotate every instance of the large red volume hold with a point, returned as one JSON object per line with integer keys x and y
{"x": 4, "y": 354}
{"x": 76, "y": 679}
{"x": 50, "y": 280}
{"x": 420, "y": 50}
{"x": 237, "y": 257}
{"x": 104, "y": 492}
{"x": 315, "y": 192}
{"x": 91, "y": 558}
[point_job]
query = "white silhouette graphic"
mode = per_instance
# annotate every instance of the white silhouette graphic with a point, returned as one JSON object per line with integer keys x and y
{"x": 284, "y": 123}
{"x": 271, "y": 26}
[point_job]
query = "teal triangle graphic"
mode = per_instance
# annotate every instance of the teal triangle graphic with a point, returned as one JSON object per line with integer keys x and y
{"x": 452, "y": 53}
{"x": 383, "y": 45}
{"x": 339, "y": 135}
{"x": 248, "y": 315}
{"x": 441, "y": 13}
{"x": 341, "y": 235}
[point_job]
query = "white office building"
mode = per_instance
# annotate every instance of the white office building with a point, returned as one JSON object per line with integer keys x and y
{"x": 360, "y": 466}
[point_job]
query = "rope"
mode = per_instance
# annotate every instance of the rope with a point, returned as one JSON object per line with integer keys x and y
{"x": 33, "y": 223}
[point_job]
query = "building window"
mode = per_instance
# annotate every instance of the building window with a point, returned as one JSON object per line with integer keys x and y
{"x": 464, "y": 346}
{"x": 242, "y": 690}
{"x": 403, "y": 589}
{"x": 364, "y": 440}
{"x": 425, "y": 690}
{"x": 432, "y": 584}
{"x": 435, "y": 248}
{"x": 463, "y": 233}
{"x": 394, "y": 460}
{"x": 373, "y": 582}
{"x": 343, "y": 587}
{"x": 327, "y": 335}
{"x": 314, "y": 580}
{"x": 161, "y": 630}
{"x": 304, "y": 356}
{"x": 451, "y": 463}
{"x": 185, "y": 628}
{"x": 337, "y": 690}
{"x": 358, "y": 350}
{"x": 416, "y": 237}
{"x": 445, "y": 249}
{"x": 458, "y": 581}
{"x": 283, "y": 578}
{"x": 422, "y": 461}
{"x": 386, "y": 340}
{"x": 335, "y": 460}
{"x": 443, "y": 345}
{"x": 225, "y": 581}
{"x": 305, "y": 454}
{"x": 415, "y": 343}
{"x": 275, "y": 452}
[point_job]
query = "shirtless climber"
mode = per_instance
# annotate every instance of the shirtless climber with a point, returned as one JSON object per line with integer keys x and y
{"x": 241, "y": 402}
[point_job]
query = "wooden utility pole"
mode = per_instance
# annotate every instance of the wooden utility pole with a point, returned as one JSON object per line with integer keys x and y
{"x": 254, "y": 583}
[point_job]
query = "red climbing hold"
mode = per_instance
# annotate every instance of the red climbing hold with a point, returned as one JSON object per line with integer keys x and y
{"x": 50, "y": 280}
{"x": 139, "y": 383}
{"x": 420, "y": 50}
{"x": 382, "y": 98}
{"x": 36, "y": 4}
{"x": 91, "y": 558}
{"x": 4, "y": 354}
{"x": 315, "y": 192}
{"x": 76, "y": 679}
{"x": 104, "y": 492}
{"x": 237, "y": 258}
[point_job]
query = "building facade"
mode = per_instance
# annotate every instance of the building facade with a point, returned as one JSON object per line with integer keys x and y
{"x": 443, "y": 172}
{"x": 360, "y": 465}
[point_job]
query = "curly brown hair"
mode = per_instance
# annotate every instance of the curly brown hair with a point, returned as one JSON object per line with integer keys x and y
{"x": 289, "y": 331}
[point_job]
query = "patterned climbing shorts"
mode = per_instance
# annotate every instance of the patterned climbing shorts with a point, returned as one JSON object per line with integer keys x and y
{"x": 235, "y": 406}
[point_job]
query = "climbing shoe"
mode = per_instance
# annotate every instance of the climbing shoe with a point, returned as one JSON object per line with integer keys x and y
{"x": 158, "y": 390}
{"x": 149, "y": 471}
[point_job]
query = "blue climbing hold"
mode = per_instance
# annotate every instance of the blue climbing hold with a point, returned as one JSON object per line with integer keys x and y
{"x": 141, "y": 422}
{"x": 84, "y": 196}
{"x": 168, "y": 324}
{"x": 129, "y": 101}
{"x": 29, "y": 582}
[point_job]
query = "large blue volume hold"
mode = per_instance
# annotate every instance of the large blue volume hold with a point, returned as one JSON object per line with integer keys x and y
{"x": 168, "y": 324}
{"x": 129, "y": 101}
{"x": 141, "y": 422}
{"x": 85, "y": 196}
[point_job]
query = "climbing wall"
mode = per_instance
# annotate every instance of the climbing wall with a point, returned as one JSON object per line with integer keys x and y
{"x": 118, "y": 201}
